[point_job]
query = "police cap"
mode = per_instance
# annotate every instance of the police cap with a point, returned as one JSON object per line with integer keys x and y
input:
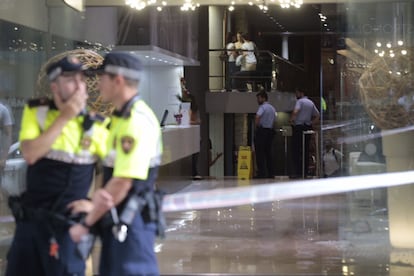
{"x": 65, "y": 65}
{"x": 122, "y": 63}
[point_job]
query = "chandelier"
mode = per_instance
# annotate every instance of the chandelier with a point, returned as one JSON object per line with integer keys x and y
{"x": 285, "y": 4}
{"x": 140, "y": 4}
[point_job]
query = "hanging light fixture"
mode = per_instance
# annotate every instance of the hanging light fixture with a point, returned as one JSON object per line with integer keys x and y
{"x": 136, "y": 4}
{"x": 189, "y": 5}
{"x": 140, "y": 4}
{"x": 285, "y": 4}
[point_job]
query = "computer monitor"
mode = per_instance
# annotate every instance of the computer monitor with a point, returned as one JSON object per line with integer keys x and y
{"x": 164, "y": 118}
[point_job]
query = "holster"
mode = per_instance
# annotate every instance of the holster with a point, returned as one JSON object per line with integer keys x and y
{"x": 16, "y": 208}
{"x": 149, "y": 207}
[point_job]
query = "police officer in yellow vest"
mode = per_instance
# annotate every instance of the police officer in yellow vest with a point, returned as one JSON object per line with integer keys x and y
{"x": 61, "y": 144}
{"x": 135, "y": 148}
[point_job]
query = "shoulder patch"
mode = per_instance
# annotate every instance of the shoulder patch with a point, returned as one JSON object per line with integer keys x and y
{"x": 127, "y": 144}
{"x": 39, "y": 102}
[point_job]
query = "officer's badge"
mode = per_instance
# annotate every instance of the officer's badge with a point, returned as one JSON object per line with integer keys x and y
{"x": 127, "y": 143}
{"x": 86, "y": 142}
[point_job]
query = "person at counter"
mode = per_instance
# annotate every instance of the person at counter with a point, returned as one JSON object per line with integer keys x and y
{"x": 263, "y": 142}
{"x": 304, "y": 116}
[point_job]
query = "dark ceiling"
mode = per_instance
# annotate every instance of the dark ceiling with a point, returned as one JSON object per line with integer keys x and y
{"x": 303, "y": 20}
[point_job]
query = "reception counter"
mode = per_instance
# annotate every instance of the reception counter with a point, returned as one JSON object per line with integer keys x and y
{"x": 179, "y": 142}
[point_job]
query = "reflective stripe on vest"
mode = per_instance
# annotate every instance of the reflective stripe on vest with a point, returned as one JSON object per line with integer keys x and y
{"x": 82, "y": 158}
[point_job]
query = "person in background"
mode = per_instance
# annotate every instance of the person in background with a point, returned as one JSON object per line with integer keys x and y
{"x": 304, "y": 116}
{"x": 239, "y": 41}
{"x": 231, "y": 60}
{"x": 263, "y": 142}
{"x": 61, "y": 143}
{"x": 6, "y": 131}
{"x": 247, "y": 62}
{"x": 235, "y": 83}
{"x": 248, "y": 49}
{"x": 130, "y": 172}
{"x": 332, "y": 160}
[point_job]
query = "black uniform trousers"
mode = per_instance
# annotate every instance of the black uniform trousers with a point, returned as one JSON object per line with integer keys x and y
{"x": 297, "y": 149}
{"x": 263, "y": 146}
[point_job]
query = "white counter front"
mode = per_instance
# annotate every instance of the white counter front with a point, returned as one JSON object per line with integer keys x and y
{"x": 180, "y": 142}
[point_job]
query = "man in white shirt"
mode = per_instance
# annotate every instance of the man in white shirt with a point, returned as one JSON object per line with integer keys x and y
{"x": 248, "y": 54}
{"x": 247, "y": 62}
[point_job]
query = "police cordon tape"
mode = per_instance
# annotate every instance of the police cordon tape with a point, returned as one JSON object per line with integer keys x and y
{"x": 261, "y": 193}
{"x": 226, "y": 197}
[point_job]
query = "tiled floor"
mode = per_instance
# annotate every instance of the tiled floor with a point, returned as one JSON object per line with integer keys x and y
{"x": 341, "y": 234}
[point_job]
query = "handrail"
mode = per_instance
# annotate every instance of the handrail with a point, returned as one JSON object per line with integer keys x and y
{"x": 279, "y": 67}
{"x": 273, "y": 55}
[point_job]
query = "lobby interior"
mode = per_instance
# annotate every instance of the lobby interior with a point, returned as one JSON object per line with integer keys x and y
{"x": 349, "y": 53}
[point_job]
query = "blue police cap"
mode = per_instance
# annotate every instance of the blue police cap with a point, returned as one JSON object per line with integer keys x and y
{"x": 68, "y": 64}
{"x": 122, "y": 63}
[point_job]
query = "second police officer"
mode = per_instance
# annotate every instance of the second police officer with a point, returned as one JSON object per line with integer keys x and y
{"x": 135, "y": 148}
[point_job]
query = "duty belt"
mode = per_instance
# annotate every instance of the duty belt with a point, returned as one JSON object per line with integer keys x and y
{"x": 148, "y": 204}
{"x": 22, "y": 213}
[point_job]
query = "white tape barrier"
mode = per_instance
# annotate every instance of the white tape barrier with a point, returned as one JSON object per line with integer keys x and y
{"x": 227, "y": 197}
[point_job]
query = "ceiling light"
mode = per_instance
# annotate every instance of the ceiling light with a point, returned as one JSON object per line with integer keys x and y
{"x": 288, "y": 3}
{"x": 136, "y": 4}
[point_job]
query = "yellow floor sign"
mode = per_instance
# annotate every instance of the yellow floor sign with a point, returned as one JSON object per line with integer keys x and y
{"x": 244, "y": 163}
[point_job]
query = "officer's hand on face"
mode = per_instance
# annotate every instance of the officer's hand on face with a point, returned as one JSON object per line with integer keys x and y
{"x": 77, "y": 231}
{"x": 102, "y": 200}
{"x": 72, "y": 106}
{"x": 80, "y": 206}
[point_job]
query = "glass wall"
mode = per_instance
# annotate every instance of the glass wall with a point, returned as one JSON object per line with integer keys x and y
{"x": 357, "y": 66}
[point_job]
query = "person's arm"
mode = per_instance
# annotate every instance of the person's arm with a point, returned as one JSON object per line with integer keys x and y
{"x": 257, "y": 121}
{"x": 118, "y": 189}
{"x": 293, "y": 116}
{"x": 315, "y": 119}
{"x": 6, "y": 143}
{"x": 259, "y": 114}
{"x": 103, "y": 200}
{"x": 315, "y": 115}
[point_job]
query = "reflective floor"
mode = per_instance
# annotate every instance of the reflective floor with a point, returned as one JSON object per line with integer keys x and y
{"x": 340, "y": 234}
